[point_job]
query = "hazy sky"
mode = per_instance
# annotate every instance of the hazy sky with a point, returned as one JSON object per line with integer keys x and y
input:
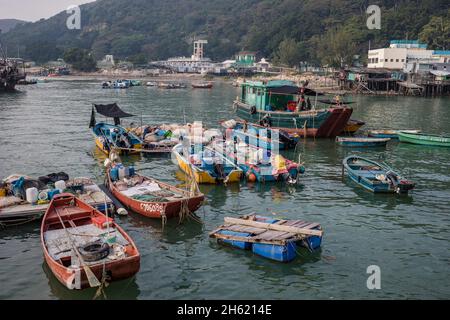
{"x": 33, "y": 10}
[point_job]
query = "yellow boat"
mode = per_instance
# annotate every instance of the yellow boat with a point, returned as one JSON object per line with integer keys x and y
{"x": 353, "y": 126}
{"x": 206, "y": 165}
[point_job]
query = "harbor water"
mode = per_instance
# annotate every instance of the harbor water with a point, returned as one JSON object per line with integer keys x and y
{"x": 44, "y": 129}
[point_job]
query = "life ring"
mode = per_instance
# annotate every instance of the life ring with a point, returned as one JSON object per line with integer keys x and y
{"x": 253, "y": 110}
{"x": 266, "y": 122}
{"x": 94, "y": 251}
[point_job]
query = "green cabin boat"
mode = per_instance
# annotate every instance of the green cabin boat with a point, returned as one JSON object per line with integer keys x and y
{"x": 424, "y": 139}
{"x": 274, "y": 104}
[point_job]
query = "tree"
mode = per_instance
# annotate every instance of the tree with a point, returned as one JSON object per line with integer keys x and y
{"x": 289, "y": 52}
{"x": 80, "y": 59}
{"x": 437, "y": 32}
{"x": 336, "y": 48}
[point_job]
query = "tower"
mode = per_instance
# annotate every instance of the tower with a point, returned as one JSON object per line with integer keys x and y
{"x": 198, "y": 49}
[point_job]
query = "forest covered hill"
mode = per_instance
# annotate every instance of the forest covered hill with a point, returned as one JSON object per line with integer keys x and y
{"x": 288, "y": 31}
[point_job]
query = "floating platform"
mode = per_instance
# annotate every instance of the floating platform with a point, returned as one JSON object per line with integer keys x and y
{"x": 274, "y": 239}
{"x": 24, "y": 212}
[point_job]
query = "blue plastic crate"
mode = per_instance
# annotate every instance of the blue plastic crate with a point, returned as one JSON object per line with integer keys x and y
{"x": 234, "y": 243}
{"x": 280, "y": 253}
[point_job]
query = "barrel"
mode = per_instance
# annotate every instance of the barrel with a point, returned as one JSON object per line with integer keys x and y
{"x": 60, "y": 185}
{"x": 32, "y": 195}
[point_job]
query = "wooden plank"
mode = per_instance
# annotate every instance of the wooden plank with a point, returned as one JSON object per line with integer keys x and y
{"x": 248, "y": 239}
{"x": 275, "y": 235}
{"x": 275, "y": 227}
{"x": 240, "y": 228}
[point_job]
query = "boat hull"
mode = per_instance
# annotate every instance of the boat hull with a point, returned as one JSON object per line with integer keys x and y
{"x": 157, "y": 210}
{"x": 362, "y": 143}
{"x": 203, "y": 176}
{"x": 423, "y": 139}
{"x": 319, "y": 123}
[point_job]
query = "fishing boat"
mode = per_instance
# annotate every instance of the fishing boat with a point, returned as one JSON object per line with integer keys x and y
{"x": 83, "y": 247}
{"x": 275, "y": 104}
{"x": 390, "y": 134}
{"x": 150, "y": 197}
{"x": 109, "y": 136}
{"x": 16, "y": 209}
{"x": 259, "y": 164}
{"x": 375, "y": 177}
{"x": 353, "y": 126}
{"x": 205, "y": 165}
{"x": 258, "y": 136}
{"x": 271, "y": 238}
{"x": 362, "y": 142}
{"x": 202, "y": 85}
{"x": 424, "y": 139}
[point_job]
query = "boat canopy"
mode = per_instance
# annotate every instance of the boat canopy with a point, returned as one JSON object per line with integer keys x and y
{"x": 109, "y": 110}
{"x": 294, "y": 90}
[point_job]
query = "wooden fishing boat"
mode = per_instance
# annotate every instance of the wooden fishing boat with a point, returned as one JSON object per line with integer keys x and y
{"x": 109, "y": 136}
{"x": 272, "y": 238}
{"x": 274, "y": 104}
{"x": 202, "y": 85}
{"x": 353, "y": 126}
{"x": 375, "y": 177}
{"x": 152, "y": 198}
{"x": 83, "y": 247}
{"x": 259, "y": 164}
{"x": 424, "y": 139}
{"x": 389, "y": 134}
{"x": 206, "y": 165}
{"x": 361, "y": 142}
{"x": 258, "y": 136}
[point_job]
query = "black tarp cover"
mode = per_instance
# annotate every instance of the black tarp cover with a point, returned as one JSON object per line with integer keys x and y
{"x": 292, "y": 90}
{"x": 109, "y": 110}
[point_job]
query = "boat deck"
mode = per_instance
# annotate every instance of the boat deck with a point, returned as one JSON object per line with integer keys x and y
{"x": 280, "y": 232}
{"x": 26, "y": 211}
{"x": 58, "y": 244}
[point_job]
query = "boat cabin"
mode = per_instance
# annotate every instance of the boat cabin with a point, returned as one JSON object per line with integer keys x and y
{"x": 276, "y": 95}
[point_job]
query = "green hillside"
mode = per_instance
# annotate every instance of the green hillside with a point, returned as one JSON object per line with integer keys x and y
{"x": 325, "y": 31}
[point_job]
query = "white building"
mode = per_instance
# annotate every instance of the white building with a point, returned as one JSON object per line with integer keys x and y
{"x": 197, "y": 63}
{"x": 399, "y": 53}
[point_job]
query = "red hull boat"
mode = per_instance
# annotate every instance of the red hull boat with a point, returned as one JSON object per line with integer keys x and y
{"x": 81, "y": 245}
{"x": 169, "y": 201}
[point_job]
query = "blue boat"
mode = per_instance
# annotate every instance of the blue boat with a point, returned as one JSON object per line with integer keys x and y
{"x": 375, "y": 177}
{"x": 259, "y": 164}
{"x": 274, "y": 239}
{"x": 259, "y": 136}
{"x": 362, "y": 142}
{"x": 108, "y": 136}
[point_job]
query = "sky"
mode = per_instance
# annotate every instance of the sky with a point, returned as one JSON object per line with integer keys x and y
{"x": 33, "y": 10}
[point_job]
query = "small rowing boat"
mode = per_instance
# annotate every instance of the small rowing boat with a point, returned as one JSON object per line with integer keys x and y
{"x": 388, "y": 134}
{"x": 361, "y": 142}
{"x": 375, "y": 177}
{"x": 150, "y": 197}
{"x": 83, "y": 247}
{"x": 202, "y": 85}
{"x": 205, "y": 164}
{"x": 424, "y": 139}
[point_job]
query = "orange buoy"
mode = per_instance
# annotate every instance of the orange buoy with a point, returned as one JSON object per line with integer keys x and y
{"x": 251, "y": 177}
